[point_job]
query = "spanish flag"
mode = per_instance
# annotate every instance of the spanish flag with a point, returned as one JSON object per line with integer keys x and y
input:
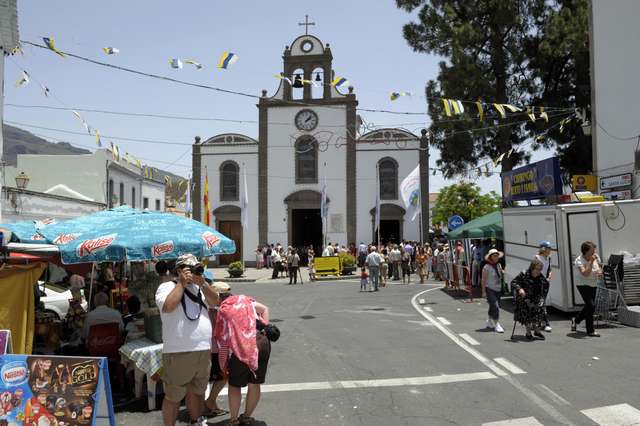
{"x": 207, "y": 206}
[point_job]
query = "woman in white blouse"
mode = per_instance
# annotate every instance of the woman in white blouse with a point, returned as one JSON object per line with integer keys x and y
{"x": 587, "y": 273}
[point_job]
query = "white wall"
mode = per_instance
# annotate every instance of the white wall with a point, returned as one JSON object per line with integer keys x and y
{"x": 281, "y": 167}
{"x": 119, "y": 176}
{"x": 37, "y": 206}
{"x": 153, "y": 191}
{"x": 615, "y": 70}
{"x": 212, "y": 157}
{"x": 368, "y": 156}
{"x": 85, "y": 174}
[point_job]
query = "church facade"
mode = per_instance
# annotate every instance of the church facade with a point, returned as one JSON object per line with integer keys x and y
{"x": 308, "y": 139}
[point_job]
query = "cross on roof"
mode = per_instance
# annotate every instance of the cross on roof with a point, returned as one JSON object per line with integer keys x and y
{"x": 306, "y": 24}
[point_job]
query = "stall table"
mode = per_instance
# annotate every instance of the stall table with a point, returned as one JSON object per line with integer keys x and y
{"x": 145, "y": 357}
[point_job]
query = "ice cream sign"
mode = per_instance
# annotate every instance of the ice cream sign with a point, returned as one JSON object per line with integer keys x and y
{"x": 537, "y": 180}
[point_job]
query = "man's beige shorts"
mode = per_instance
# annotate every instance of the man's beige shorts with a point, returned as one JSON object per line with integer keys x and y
{"x": 184, "y": 372}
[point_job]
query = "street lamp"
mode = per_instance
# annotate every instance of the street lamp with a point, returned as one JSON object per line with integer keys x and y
{"x": 22, "y": 180}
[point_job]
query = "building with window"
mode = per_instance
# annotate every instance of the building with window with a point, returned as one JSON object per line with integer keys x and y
{"x": 96, "y": 177}
{"x": 309, "y": 136}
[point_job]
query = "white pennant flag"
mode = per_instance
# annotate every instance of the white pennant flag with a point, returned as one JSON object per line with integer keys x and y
{"x": 410, "y": 193}
{"x": 323, "y": 204}
{"x": 377, "y": 219}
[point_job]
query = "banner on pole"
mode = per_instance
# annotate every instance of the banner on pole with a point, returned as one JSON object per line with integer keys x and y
{"x": 410, "y": 192}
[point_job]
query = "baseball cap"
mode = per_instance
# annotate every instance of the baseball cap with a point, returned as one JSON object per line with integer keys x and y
{"x": 545, "y": 244}
{"x": 186, "y": 260}
{"x": 221, "y": 287}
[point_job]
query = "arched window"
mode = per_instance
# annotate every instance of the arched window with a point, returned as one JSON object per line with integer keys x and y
{"x": 306, "y": 160}
{"x": 122, "y": 194}
{"x": 111, "y": 195}
{"x": 229, "y": 181}
{"x": 388, "y": 175}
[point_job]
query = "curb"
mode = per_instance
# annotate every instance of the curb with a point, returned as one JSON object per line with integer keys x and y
{"x": 239, "y": 280}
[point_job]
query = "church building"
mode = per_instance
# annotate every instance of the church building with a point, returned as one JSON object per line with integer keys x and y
{"x": 308, "y": 137}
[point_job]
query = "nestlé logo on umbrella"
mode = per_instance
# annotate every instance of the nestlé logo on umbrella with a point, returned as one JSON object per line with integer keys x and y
{"x": 90, "y": 246}
{"x": 162, "y": 248}
{"x": 210, "y": 239}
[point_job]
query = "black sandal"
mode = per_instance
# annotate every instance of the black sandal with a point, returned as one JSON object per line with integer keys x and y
{"x": 245, "y": 420}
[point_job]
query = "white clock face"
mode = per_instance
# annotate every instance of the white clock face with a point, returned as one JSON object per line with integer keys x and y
{"x": 306, "y": 120}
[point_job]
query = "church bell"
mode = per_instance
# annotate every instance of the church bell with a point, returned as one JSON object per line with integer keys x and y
{"x": 297, "y": 82}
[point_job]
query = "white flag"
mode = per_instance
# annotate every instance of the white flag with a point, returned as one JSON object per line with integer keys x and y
{"x": 187, "y": 203}
{"x": 410, "y": 192}
{"x": 245, "y": 201}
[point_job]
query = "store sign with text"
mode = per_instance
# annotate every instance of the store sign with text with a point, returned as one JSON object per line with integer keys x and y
{"x": 617, "y": 181}
{"x": 533, "y": 181}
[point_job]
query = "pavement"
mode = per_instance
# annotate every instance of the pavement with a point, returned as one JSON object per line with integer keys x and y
{"x": 417, "y": 355}
{"x": 264, "y": 275}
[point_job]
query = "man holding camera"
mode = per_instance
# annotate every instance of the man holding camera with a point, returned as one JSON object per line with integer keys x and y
{"x": 186, "y": 334}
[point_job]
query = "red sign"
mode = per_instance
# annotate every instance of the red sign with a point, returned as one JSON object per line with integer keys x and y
{"x": 90, "y": 246}
{"x": 210, "y": 239}
{"x": 162, "y": 248}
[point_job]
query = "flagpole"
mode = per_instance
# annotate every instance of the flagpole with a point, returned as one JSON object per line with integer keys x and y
{"x": 243, "y": 213}
{"x": 377, "y": 218}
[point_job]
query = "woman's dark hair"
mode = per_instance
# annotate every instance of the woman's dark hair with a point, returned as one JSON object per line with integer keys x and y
{"x": 162, "y": 267}
{"x": 536, "y": 264}
{"x": 586, "y": 246}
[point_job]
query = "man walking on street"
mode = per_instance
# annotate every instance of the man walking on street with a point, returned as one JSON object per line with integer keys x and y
{"x": 373, "y": 261}
{"x": 293, "y": 260}
{"x": 186, "y": 334}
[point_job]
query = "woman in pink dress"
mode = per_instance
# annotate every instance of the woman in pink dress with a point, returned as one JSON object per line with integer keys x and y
{"x": 259, "y": 258}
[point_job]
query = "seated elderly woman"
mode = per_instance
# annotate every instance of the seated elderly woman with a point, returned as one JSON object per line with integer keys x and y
{"x": 530, "y": 287}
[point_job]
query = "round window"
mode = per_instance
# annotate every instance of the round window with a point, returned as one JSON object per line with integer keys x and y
{"x": 306, "y": 46}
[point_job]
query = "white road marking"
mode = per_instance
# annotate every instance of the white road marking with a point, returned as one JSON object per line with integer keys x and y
{"x": 525, "y": 421}
{"x": 375, "y": 383}
{"x": 514, "y": 369}
{"x": 421, "y": 301}
{"x": 444, "y": 321}
{"x": 457, "y": 340}
{"x": 528, "y": 393}
{"x": 470, "y": 340}
{"x": 621, "y": 414}
{"x": 393, "y": 314}
{"x": 557, "y": 398}
{"x": 423, "y": 323}
{"x": 428, "y": 309}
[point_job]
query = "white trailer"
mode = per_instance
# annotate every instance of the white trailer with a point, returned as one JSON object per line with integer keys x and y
{"x": 612, "y": 226}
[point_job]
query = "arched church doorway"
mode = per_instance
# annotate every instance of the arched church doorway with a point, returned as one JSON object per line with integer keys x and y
{"x": 391, "y": 224}
{"x": 304, "y": 220}
{"x": 228, "y": 223}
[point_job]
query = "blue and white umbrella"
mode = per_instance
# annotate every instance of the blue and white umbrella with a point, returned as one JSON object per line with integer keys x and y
{"x": 129, "y": 234}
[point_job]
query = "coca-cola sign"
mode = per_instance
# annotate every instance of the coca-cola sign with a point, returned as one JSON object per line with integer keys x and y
{"x": 91, "y": 246}
{"x": 210, "y": 239}
{"x": 163, "y": 248}
{"x": 64, "y": 239}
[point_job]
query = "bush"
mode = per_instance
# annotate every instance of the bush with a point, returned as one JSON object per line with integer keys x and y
{"x": 347, "y": 260}
{"x": 235, "y": 266}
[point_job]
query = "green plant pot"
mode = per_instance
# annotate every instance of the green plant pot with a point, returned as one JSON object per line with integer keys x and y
{"x": 235, "y": 273}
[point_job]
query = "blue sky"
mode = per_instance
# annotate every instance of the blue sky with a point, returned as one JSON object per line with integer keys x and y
{"x": 365, "y": 38}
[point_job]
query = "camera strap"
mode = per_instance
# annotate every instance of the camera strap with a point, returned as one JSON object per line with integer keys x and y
{"x": 197, "y": 299}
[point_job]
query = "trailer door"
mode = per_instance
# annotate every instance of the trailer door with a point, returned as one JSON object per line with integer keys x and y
{"x": 581, "y": 227}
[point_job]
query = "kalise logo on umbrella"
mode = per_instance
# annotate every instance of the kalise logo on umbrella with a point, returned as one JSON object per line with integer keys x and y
{"x": 64, "y": 239}
{"x": 162, "y": 248}
{"x": 90, "y": 246}
{"x": 37, "y": 237}
{"x": 210, "y": 239}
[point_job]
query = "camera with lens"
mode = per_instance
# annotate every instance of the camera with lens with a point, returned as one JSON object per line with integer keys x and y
{"x": 198, "y": 270}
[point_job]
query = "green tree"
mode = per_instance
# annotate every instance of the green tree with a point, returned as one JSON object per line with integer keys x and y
{"x": 516, "y": 51}
{"x": 464, "y": 199}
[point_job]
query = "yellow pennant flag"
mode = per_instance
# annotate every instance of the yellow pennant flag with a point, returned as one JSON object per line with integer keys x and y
{"x": 51, "y": 44}
{"x": 543, "y": 114}
{"x": 480, "y": 110}
{"x": 499, "y": 159}
{"x": 531, "y": 113}
{"x": 447, "y": 107}
{"x": 98, "y": 141}
{"x": 500, "y": 109}
{"x": 540, "y": 138}
{"x": 512, "y": 108}
{"x": 456, "y": 106}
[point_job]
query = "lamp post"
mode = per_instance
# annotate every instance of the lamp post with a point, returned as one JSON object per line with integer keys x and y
{"x": 22, "y": 180}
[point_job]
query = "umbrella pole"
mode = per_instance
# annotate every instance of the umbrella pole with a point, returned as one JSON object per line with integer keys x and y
{"x": 93, "y": 269}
